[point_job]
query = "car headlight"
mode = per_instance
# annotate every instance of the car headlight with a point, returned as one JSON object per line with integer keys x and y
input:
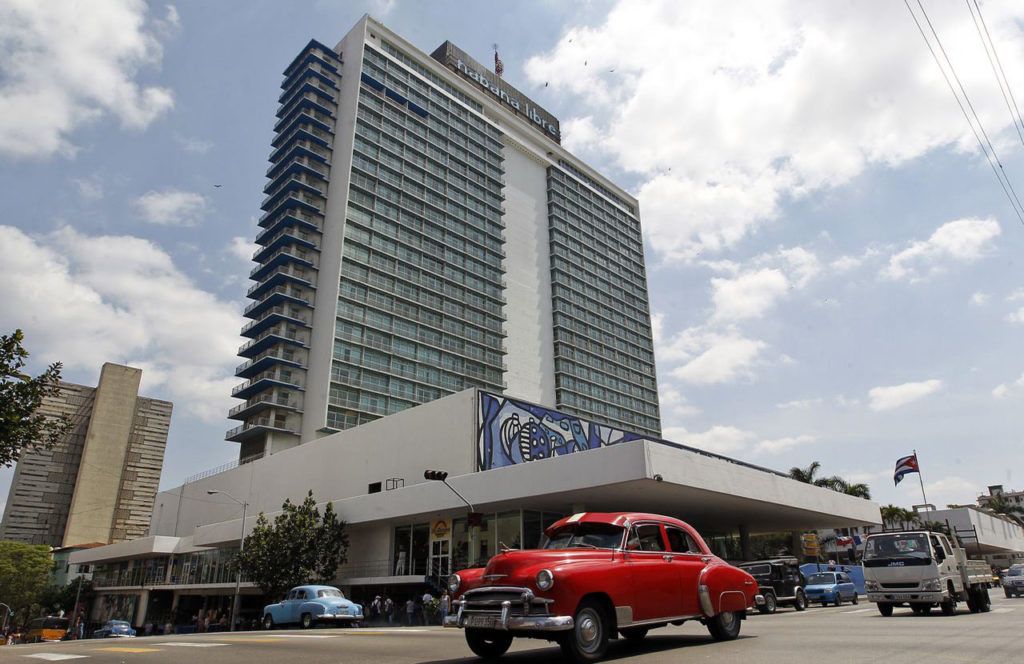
{"x": 454, "y": 581}
{"x": 931, "y": 584}
{"x": 871, "y": 586}
{"x": 545, "y": 579}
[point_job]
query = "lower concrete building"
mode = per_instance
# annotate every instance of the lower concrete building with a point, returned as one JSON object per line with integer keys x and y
{"x": 521, "y": 465}
{"x": 99, "y": 483}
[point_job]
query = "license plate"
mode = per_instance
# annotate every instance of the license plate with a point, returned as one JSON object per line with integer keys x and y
{"x": 485, "y": 622}
{"x": 903, "y": 596}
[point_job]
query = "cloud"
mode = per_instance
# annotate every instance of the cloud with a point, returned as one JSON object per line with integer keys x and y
{"x": 749, "y": 295}
{"x": 674, "y": 404}
{"x": 727, "y": 110}
{"x": 66, "y": 64}
{"x": 980, "y": 299}
{"x": 962, "y": 241}
{"x": 951, "y": 490}
{"x": 193, "y": 145}
{"x": 800, "y": 404}
{"x": 85, "y": 300}
{"x": 242, "y": 248}
{"x": 780, "y": 445}
{"x": 171, "y": 207}
{"x": 720, "y": 439}
{"x": 1016, "y": 316}
{"x": 1002, "y": 391}
{"x": 708, "y": 357}
{"x": 894, "y": 396}
{"x": 89, "y": 189}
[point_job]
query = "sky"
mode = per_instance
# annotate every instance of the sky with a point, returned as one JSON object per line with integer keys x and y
{"x": 831, "y": 258}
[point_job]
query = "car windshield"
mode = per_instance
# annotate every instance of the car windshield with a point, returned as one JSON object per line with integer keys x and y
{"x": 1016, "y": 571}
{"x": 118, "y": 623}
{"x": 585, "y": 535}
{"x": 329, "y": 592}
{"x": 758, "y": 570}
{"x": 914, "y": 545}
{"x": 822, "y": 579}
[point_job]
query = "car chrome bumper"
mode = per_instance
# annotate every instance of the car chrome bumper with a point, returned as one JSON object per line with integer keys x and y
{"x": 759, "y": 600}
{"x": 512, "y": 623}
{"x": 911, "y": 596}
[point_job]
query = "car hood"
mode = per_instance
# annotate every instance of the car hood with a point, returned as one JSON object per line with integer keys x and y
{"x": 516, "y": 563}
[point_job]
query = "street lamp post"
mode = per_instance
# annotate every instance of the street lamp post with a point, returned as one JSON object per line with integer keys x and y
{"x": 472, "y": 520}
{"x": 241, "y": 546}
{"x": 7, "y": 614}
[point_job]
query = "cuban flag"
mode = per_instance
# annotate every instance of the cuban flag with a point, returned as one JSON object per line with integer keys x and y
{"x": 907, "y": 464}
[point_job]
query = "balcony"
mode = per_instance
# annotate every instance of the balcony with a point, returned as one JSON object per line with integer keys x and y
{"x": 308, "y": 79}
{"x": 279, "y": 258}
{"x": 301, "y": 148}
{"x": 261, "y": 402}
{"x": 279, "y": 314}
{"x": 289, "y": 217}
{"x": 304, "y": 191}
{"x": 299, "y": 167}
{"x": 280, "y": 276}
{"x": 264, "y": 381}
{"x": 268, "y": 338}
{"x": 324, "y": 96}
{"x": 267, "y": 360}
{"x": 256, "y": 427}
{"x": 294, "y": 200}
{"x": 283, "y": 238}
{"x": 304, "y": 113}
{"x": 317, "y": 53}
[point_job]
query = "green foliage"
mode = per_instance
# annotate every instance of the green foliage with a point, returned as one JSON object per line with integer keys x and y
{"x": 24, "y": 573}
{"x": 809, "y": 475}
{"x": 21, "y": 426}
{"x": 53, "y": 599}
{"x": 300, "y": 546}
{"x": 893, "y": 516}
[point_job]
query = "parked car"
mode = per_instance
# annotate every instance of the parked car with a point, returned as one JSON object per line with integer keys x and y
{"x": 309, "y": 605}
{"x": 831, "y": 588}
{"x": 596, "y": 574}
{"x": 118, "y": 629}
{"x": 50, "y": 628}
{"x": 1013, "y": 581}
{"x": 780, "y": 581}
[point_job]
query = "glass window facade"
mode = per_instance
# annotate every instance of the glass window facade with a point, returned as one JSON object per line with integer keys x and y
{"x": 604, "y": 351}
{"x": 421, "y": 293}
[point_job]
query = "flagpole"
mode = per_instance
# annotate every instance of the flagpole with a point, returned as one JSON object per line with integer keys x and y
{"x": 921, "y": 480}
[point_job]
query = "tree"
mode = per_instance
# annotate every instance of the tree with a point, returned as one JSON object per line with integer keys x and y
{"x": 809, "y": 475}
{"x": 22, "y": 427}
{"x": 300, "y": 546}
{"x": 998, "y": 504}
{"x": 24, "y": 573}
{"x": 805, "y": 475}
{"x": 54, "y": 599}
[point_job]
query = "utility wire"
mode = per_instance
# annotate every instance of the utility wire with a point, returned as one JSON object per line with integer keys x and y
{"x": 998, "y": 172}
{"x": 986, "y": 40}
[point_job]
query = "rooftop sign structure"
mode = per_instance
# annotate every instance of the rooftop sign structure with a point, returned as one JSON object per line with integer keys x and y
{"x": 459, "y": 61}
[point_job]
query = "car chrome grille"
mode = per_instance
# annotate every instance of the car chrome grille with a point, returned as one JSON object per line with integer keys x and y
{"x": 493, "y": 599}
{"x": 897, "y": 586}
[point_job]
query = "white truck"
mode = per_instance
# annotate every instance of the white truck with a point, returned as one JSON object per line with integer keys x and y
{"x": 923, "y": 569}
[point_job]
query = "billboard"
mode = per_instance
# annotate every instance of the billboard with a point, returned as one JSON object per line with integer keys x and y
{"x": 510, "y": 432}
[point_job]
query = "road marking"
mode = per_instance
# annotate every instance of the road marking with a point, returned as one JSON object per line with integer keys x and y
{"x": 1001, "y": 610}
{"x": 191, "y": 644}
{"x": 54, "y": 657}
{"x": 859, "y": 611}
{"x": 306, "y": 636}
{"x": 241, "y": 639}
{"x": 127, "y": 649}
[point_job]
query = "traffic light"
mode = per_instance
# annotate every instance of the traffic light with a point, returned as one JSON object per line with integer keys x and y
{"x": 436, "y": 475}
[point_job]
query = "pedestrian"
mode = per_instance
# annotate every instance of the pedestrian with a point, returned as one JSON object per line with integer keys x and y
{"x": 376, "y": 610}
{"x": 410, "y": 609}
{"x": 446, "y": 603}
{"x": 389, "y": 609}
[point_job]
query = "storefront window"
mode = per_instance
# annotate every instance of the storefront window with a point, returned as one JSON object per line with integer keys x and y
{"x": 533, "y": 528}
{"x": 420, "y": 548}
{"x": 508, "y": 531}
{"x": 403, "y": 542}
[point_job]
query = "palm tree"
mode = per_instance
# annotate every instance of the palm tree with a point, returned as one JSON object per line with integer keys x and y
{"x": 998, "y": 504}
{"x": 891, "y": 514}
{"x": 858, "y": 489}
{"x": 805, "y": 475}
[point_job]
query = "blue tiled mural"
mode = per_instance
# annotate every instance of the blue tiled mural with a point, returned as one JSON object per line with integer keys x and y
{"x": 512, "y": 432}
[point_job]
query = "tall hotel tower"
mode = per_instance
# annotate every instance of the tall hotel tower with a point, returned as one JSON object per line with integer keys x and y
{"x": 424, "y": 233}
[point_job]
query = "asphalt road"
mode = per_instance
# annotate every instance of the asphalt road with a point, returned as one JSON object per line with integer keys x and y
{"x": 835, "y": 634}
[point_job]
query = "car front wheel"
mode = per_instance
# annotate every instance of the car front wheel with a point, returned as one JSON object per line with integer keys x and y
{"x": 885, "y": 609}
{"x": 725, "y": 626}
{"x": 306, "y": 621}
{"x": 487, "y": 644}
{"x": 268, "y": 622}
{"x": 801, "y": 600}
{"x": 770, "y": 604}
{"x": 856, "y": 599}
{"x": 588, "y": 640}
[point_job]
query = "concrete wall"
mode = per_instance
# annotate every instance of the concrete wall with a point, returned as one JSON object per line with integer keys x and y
{"x": 436, "y": 435}
{"x": 994, "y": 533}
{"x": 531, "y": 365}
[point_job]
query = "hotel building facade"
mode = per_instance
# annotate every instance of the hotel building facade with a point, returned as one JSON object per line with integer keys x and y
{"x": 424, "y": 233}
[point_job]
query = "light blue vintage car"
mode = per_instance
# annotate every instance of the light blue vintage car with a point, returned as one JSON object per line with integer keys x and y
{"x": 830, "y": 588}
{"x": 309, "y": 605}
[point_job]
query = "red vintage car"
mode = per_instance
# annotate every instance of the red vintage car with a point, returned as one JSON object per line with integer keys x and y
{"x": 597, "y": 575}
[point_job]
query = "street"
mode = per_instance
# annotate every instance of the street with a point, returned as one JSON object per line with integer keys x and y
{"x": 838, "y": 634}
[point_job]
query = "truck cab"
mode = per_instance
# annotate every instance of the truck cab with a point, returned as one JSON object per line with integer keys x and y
{"x": 922, "y": 569}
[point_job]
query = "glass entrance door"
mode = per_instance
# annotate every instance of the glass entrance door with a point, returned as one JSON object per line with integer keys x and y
{"x": 440, "y": 558}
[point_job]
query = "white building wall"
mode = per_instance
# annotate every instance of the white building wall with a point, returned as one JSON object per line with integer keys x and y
{"x": 438, "y": 435}
{"x": 318, "y": 374}
{"x": 531, "y": 365}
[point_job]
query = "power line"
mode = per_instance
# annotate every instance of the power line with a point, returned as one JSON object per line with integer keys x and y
{"x": 986, "y": 41}
{"x": 999, "y": 172}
